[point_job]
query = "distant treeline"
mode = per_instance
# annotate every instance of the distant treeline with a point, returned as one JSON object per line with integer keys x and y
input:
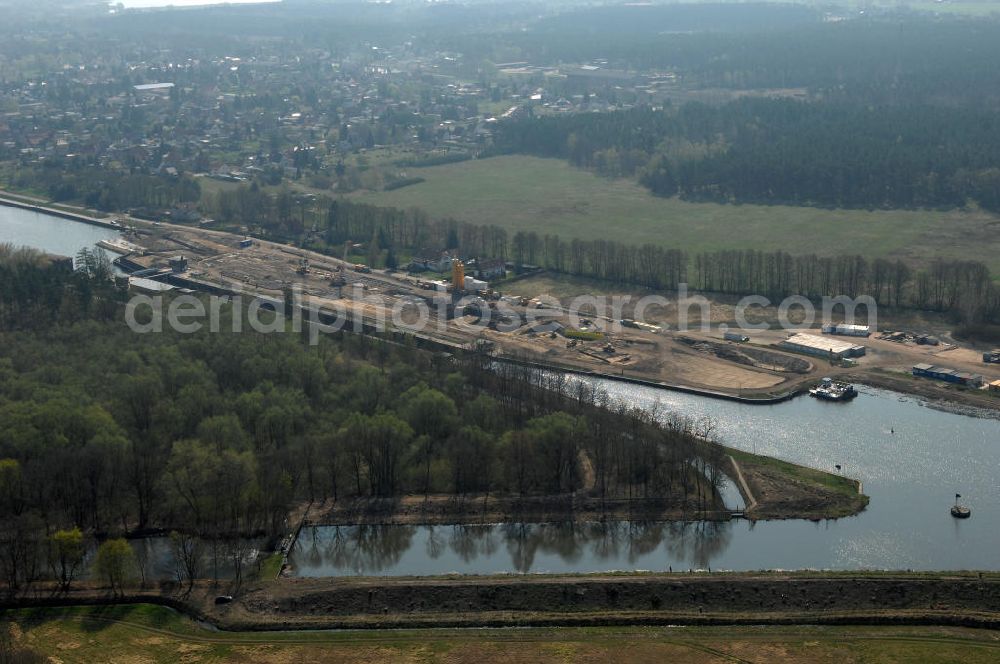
{"x": 433, "y": 160}
{"x": 625, "y": 21}
{"x": 413, "y": 231}
{"x": 401, "y": 182}
{"x": 963, "y": 288}
{"x": 72, "y": 180}
{"x": 899, "y": 60}
{"x": 783, "y": 151}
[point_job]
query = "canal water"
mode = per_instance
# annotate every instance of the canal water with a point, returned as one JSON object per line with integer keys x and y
{"x": 159, "y": 562}
{"x": 912, "y": 460}
{"x": 55, "y": 235}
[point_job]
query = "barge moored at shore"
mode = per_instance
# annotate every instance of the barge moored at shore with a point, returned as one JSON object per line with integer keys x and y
{"x": 829, "y": 390}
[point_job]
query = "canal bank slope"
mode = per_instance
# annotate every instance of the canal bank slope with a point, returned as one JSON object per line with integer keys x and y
{"x": 776, "y": 598}
{"x": 63, "y": 212}
{"x": 957, "y": 599}
{"x": 934, "y": 394}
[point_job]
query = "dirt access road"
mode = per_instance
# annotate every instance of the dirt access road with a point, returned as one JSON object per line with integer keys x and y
{"x": 697, "y": 359}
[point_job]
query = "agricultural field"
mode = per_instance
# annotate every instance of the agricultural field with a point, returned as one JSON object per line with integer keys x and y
{"x": 146, "y": 633}
{"x": 550, "y": 196}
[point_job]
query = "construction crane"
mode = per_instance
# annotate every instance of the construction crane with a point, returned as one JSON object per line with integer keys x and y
{"x": 457, "y": 276}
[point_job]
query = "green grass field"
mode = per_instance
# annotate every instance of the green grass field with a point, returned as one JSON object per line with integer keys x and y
{"x": 151, "y": 634}
{"x": 550, "y": 196}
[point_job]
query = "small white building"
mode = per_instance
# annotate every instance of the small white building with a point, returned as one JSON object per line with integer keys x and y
{"x": 148, "y": 286}
{"x": 475, "y": 285}
{"x": 846, "y": 330}
{"x": 441, "y": 263}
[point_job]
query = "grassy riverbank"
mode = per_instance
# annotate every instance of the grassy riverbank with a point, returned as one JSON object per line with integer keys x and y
{"x": 785, "y": 490}
{"x": 155, "y": 634}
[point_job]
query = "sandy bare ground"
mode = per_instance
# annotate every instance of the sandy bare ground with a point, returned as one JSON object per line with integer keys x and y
{"x": 703, "y": 370}
{"x": 663, "y": 359}
{"x": 641, "y": 354}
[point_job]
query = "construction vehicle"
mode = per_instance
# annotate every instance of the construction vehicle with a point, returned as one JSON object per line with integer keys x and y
{"x": 303, "y": 267}
{"x": 361, "y": 267}
{"x": 338, "y": 278}
{"x": 992, "y": 357}
{"x": 608, "y": 348}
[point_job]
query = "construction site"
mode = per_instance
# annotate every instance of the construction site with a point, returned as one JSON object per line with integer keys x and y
{"x": 517, "y": 322}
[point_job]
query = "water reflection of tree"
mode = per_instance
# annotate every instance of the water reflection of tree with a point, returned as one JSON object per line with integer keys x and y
{"x": 713, "y": 539}
{"x": 366, "y": 549}
{"x": 697, "y": 542}
{"x": 313, "y": 554}
{"x": 436, "y": 543}
{"x": 490, "y": 544}
{"x": 605, "y": 538}
{"x": 521, "y": 545}
{"x": 375, "y": 549}
{"x": 644, "y": 537}
{"x": 469, "y": 542}
{"x": 566, "y": 540}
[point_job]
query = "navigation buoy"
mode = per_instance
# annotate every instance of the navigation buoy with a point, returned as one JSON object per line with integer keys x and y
{"x": 960, "y": 511}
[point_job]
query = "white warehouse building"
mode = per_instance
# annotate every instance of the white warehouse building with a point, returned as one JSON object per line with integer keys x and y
{"x": 810, "y": 344}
